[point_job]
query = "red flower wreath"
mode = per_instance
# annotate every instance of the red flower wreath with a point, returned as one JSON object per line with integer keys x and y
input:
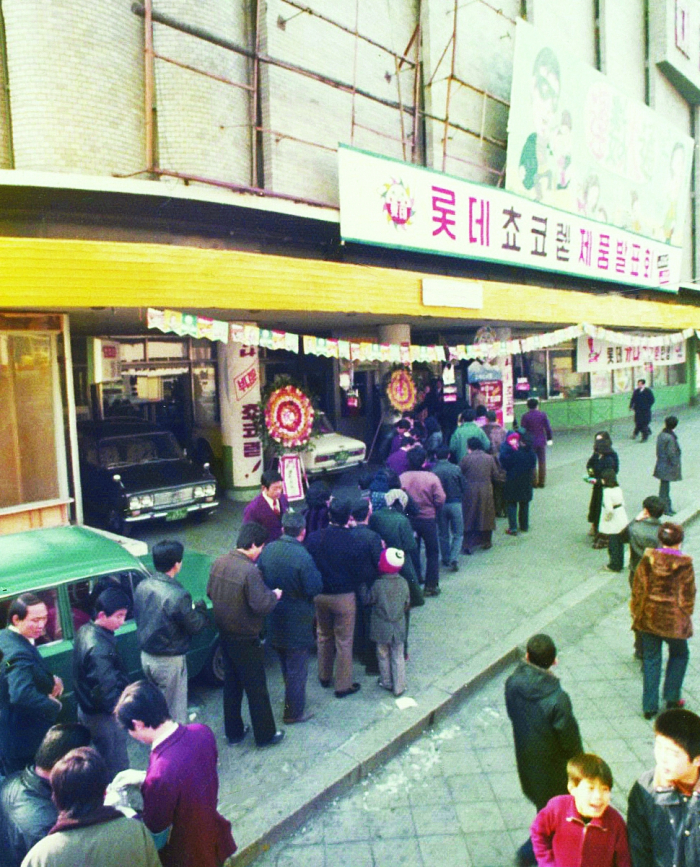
{"x": 289, "y": 416}
{"x": 401, "y": 391}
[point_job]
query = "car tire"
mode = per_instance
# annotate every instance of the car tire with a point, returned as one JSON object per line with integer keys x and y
{"x": 213, "y": 671}
{"x": 115, "y": 523}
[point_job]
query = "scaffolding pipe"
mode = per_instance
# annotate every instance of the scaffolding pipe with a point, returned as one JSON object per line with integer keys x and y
{"x": 200, "y": 33}
{"x": 6, "y": 91}
{"x": 203, "y": 72}
{"x": 149, "y": 85}
{"x": 309, "y": 11}
{"x": 236, "y": 188}
{"x": 254, "y": 106}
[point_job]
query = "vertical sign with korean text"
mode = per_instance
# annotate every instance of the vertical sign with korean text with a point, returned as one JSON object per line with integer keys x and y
{"x": 239, "y": 375}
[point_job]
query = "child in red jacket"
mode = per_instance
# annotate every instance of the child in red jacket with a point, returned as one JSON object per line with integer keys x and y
{"x": 582, "y": 829}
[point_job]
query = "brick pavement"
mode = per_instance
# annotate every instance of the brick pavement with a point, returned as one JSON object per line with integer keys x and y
{"x": 453, "y": 796}
{"x": 486, "y": 610}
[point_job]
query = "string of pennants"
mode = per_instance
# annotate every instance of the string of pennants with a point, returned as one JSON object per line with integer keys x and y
{"x": 189, "y": 324}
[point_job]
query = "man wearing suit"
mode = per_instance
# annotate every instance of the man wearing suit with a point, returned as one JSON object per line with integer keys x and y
{"x": 269, "y": 506}
{"x": 641, "y": 403}
{"x": 29, "y": 693}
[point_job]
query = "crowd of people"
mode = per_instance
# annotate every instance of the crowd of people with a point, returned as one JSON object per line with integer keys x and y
{"x": 342, "y": 575}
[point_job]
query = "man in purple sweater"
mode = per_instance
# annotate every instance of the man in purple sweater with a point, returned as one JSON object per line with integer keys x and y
{"x": 269, "y": 506}
{"x": 181, "y": 788}
{"x": 536, "y": 423}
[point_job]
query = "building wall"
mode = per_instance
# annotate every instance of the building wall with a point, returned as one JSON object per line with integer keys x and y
{"x": 570, "y": 24}
{"x": 76, "y": 85}
{"x": 203, "y": 124}
{"x": 622, "y": 44}
{"x": 304, "y": 119}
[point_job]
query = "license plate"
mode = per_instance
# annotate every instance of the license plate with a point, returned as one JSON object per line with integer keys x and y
{"x": 176, "y": 515}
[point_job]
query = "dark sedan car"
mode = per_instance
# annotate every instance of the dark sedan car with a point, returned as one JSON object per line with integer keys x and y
{"x": 132, "y": 471}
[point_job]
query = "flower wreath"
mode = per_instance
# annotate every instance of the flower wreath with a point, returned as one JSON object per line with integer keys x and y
{"x": 401, "y": 390}
{"x": 287, "y": 417}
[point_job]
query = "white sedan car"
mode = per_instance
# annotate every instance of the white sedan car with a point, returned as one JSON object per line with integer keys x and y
{"x": 331, "y": 452}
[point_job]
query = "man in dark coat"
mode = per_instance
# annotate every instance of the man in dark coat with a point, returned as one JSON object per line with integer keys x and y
{"x": 641, "y": 403}
{"x": 480, "y": 470}
{"x": 518, "y": 460}
{"x": 368, "y": 550}
{"x": 668, "y": 461}
{"x": 29, "y": 693}
{"x": 269, "y": 506}
{"x": 545, "y": 731}
{"x": 333, "y": 550}
{"x": 99, "y": 677}
{"x": 536, "y": 423}
{"x": 287, "y": 564}
{"x": 27, "y": 812}
{"x": 241, "y": 601}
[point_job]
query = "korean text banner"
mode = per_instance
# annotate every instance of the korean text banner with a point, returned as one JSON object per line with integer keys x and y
{"x": 395, "y": 204}
{"x": 594, "y": 355}
{"x": 577, "y": 143}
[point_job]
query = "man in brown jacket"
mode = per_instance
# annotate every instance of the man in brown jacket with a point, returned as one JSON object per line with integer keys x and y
{"x": 240, "y": 602}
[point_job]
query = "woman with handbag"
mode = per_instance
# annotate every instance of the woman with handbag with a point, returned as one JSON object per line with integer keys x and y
{"x": 663, "y": 598}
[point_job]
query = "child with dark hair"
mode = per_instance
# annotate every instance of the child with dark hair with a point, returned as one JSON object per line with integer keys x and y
{"x": 613, "y": 520}
{"x": 581, "y": 828}
{"x": 663, "y": 813}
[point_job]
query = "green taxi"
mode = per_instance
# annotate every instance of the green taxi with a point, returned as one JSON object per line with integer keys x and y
{"x": 64, "y": 566}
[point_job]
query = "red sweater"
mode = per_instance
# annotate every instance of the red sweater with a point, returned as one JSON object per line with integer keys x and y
{"x": 560, "y": 837}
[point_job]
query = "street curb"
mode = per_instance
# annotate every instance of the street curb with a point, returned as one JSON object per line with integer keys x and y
{"x": 367, "y": 750}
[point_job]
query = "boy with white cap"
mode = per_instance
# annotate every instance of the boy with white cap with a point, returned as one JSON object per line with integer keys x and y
{"x": 390, "y": 600}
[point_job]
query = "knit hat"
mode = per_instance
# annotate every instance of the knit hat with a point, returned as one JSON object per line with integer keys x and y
{"x": 391, "y": 561}
{"x": 394, "y": 495}
{"x": 513, "y": 439}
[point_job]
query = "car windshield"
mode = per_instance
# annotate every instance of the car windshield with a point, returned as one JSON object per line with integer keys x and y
{"x": 324, "y": 426}
{"x": 138, "y": 449}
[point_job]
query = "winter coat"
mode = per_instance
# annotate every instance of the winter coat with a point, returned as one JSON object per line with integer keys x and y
{"x": 596, "y": 464}
{"x": 239, "y": 597}
{"x": 661, "y": 821}
{"x": 536, "y": 423}
{"x": 663, "y": 594}
{"x": 334, "y": 550}
{"x": 544, "y": 729}
{"x": 390, "y": 599}
{"x": 613, "y": 517}
{"x": 425, "y": 490}
{"x": 641, "y": 402}
{"x": 497, "y": 436}
{"x": 165, "y": 617}
{"x": 480, "y": 471}
{"x": 458, "y": 440}
{"x": 643, "y": 534}
{"x": 27, "y": 814}
{"x": 668, "y": 457}
{"x": 452, "y": 481}
{"x": 518, "y": 465}
{"x": 259, "y": 510}
{"x": 113, "y": 843}
{"x": 561, "y": 838}
{"x": 99, "y": 673}
{"x": 287, "y": 564}
{"x": 396, "y": 532}
{"x": 26, "y": 711}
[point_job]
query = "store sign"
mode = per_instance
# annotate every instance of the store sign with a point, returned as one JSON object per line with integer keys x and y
{"x": 593, "y": 355}
{"x": 577, "y": 143}
{"x": 395, "y": 204}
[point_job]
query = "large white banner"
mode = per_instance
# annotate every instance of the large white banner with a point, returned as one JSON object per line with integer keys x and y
{"x": 577, "y": 143}
{"x": 395, "y": 204}
{"x": 595, "y": 355}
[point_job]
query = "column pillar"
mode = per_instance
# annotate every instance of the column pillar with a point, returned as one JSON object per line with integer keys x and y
{"x": 239, "y": 397}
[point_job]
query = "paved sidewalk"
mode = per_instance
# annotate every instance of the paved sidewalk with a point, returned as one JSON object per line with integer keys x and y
{"x": 452, "y": 798}
{"x": 497, "y": 599}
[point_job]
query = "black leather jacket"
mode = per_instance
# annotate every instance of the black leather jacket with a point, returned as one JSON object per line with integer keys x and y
{"x": 99, "y": 674}
{"x": 165, "y": 617}
{"x": 27, "y": 814}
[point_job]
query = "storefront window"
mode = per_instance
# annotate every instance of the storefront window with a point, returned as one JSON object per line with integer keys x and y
{"x": 676, "y": 374}
{"x": 27, "y": 423}
{"x": 530, "y": 375}
{"x": 564, "y": 382}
